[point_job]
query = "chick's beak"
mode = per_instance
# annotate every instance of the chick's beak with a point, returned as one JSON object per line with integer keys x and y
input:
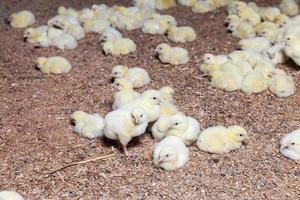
{"x": 7, "y": 20}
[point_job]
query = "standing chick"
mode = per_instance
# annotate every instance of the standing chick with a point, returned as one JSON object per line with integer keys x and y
{"x": 53, "y": 65}
{"x": 220, "y": 139}
{"x": 172, "y": 55}
{"x": 119, "y": 46}
{"x": 170, "y": 154}
{"x": 88, "y": 125}
{"x": 139, "y": 77}
{"x": 123, "y": 125}
{"x": 181, "y": 34}
{"x": 290, "y": 145}
{"x": 22, "y": 19}
{"x": 289, "y": 7}
{"x": 10, "y": 195}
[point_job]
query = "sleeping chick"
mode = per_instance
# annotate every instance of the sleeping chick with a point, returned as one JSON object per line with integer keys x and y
{"x": 61, "y": 40}
{"x": 138, "y": 76}
{"x": 110, "y": 34}
{"x": 188, "y": 3}
{"x": 227, "y": 80}
{"x": 212, "y": 59}
{"x": 88, "y": 125}
{"x": 123, "y": 125}
{"x": 185, "y": 128}
{"x": 164, "y": 4}
{"x": 119, "y": 46}
{"x": 290, "y": 145}
{"x": 289, "y": 7}
{"x": 281, "y": 84}
{"x": 10, "y": 195}
{"x": 258, "y": 44}
{"x": 125, "y": 93}
{"x": 181, "y": 34}
{"x": 255, "y": 82}
{"x": 155, "y": 26}
{"x": 53, "y": 65}
{"x": 203, "y": 6}
{"x": 220, "y": 139}
{"x": 170, "y": 154}
{"x": 21, "y": 19}
{"x": 149, "y": 100}
{"x": 37, "y": 36}
{"x": 172, "y": 55}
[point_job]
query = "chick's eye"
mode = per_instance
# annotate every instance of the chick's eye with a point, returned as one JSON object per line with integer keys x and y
{"x": 241, "y": 135}
{"x": 293, "y": 143}
{"x": 118, "y": 84}
{"x": 154, "y": 98}
{"x": 167, "y": 155}
{"x": 141, "y": 115}
{"x": 176, "y": 123}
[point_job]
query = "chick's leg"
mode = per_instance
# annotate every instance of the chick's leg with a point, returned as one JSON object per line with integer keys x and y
{"x": 123, "y": 140}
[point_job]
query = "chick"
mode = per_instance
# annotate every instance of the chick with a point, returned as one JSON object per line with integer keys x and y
{"x": 227, "y": 80}
{"x": 172, "y": 55}
{"x": 247, "y": 13}
{"x": 188, "y": 3}
{"x": 244, "y": 30}
{"x": 168, "y": 108}
{"x": 110, "y": 34}
{"x": 282, "y": 20}
{"x": 164, "y": 4}
{"x": 281, "y": 84}
{"x": 88, "y": 125}
{"x": 161, "y": 126}
{"x": 185, "y": 128}
{"x": 10, "y": 195}
{"x": 95, "y": 25}
{"x": 232, "y": 8}
{"x": 21, "y": 19}
{"x": 269, "y": 32}
{"x": 123, "y": 125}
{"x": 276, "y": 54}
{"x": 289, "y": 7}
{"x": 268, "y": 13}
{"x": 291, "y": 41}
{"x": 138, "y": 76}
{"x": 170, "y": 154}
{"x": 60, "y": 39}
{"x": 181, "y": 34}
{"x": 167, "y": 93}
{"x": 149, "y": 101}
{"x": 255, "y": 82}
{"x": 71, "y": 12}
{"x": 264, "y": 67}
{"x": 258, "y": 44}
{"x": 220, "y": 3}
{"x": 144, "y": 3}
{"x": 212, "y": 59}
{"x": 119, "y": 46}
{"x": 203, "y": 6}
{"x": 53, "y": 65}
{"x": 125, "y": 94}
{"x": 220, "y": 139}
{"x": 37, "y": 36}
{"x": 155, "y": 26}
{"x": 290, "y": 145}
{"x": 166, "y": 18}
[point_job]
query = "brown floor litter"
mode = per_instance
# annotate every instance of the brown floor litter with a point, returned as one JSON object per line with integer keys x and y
{"x": 36, "y": 135}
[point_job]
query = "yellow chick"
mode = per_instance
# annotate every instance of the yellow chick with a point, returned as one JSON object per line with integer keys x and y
{"x": 138, "y": 76}
{"x": 268, "y": 13}
{"x": 244, "y": 30}
{"x": 123, "y": 125}
{"x": 61, "y": 40}
{"x": 282, "y": 20}
{"x": 172, "y": 55}
{"x": 10, "y": 195}
{"x": 110, "y": 34}
{"x": 181, "y": 34}
{"x": 161, "y": 126}
{"x": 53, "y": 65}
{"x": 247, "y": 13}
{"x": 255, "y": 82}
{"x": 188, "y": 3}
{"x": 220, "y": 139}
{"x": 88, "y": 125}
{"x": 144, "y": 4}
{"x": 209, "y": 58}
{"x": 264, "y": 67}
{"x": 220, "y": 3}
{"x": 37, "y": 36}
{"x": 125, "y": 93}
{"x": 290, "y": 145}
{"x": 67, "y": 11}
{"x": 281, "y": 84}
{"x": 276, "y": 54}
{"x": 258, "y": 44}
{"x": 232, "y": 8}
{"x": 289, "y": 7}
{"x": 119, "y": 46}
{"x": 166, "y": 18}
{"x": 21, "y": 19}
{"x": 164, "y": 4}
{"x": 95, "y": 25}
{"x": 170, "y": 154}
{"x": 291, "y": 41}
{"x": 203, "y": 6}
{"x": 155, "y": 26}
{"x": 167, "y": 93}
{"x": 226, "y": 80}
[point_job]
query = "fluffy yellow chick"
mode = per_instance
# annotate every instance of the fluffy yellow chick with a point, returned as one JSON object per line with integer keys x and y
{"x": 291, "y": 41}
{"x": 290, "y": 145}
{"x": 138, "y": 76}
{"x": 119, "y": 46}
{"x": 289, "y": 7}
{"x": 258, "y": 44}
{"x": 220, "y": 3}
{"x": 10, "y": 195}
{"x": 265, "y": 67}
{"x": 247, "y": 13}
{"x": 281, "y": 84}
{"x": 125, "y": 93}
{"x": 232, "y": 8}
{"x": 170, "y": 154}
{"x": 96, "y": 25}
{"x": 161, "y": 126}
{"x": 214, "y": 59}
{"x": 144, "y": 3}
{"x": 203, "y": 6}
{"x": 155, "y": 26}
{"x": 67, "y": 11}
{"x": 53, "y": 65}
{"x": 22, "y": 19}
{"x": 88, "y": 125}
{"x": 181, "y": 34}
{"x": 110, "y": 34}
{"x": 244, "y": 30}
{"x": 164, "y": 4}
{"x": 61, "y": 40}
{"x": 123, "y": 125}
{"x": 172, "y": 55}
{"x": 282, "y": 20}
{"x": 167, "y": 93}
{"x": 220, "y": 139}
{"x": 226, "y": 80}
{"x": 188, "y": 3}
{"x": 268, "y": 13}
{"x": 276, "y": 54}
{"x": 37, "y": 36}
{"x": 166, "y": 18}
{"x": 255, "y": 82}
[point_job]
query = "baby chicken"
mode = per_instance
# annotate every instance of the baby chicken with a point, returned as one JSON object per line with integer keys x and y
{"x": 292, "y": 44}
{"x": 181, "y": 34}
{"x": 244, "y": 30}
{"x": 188, "y": 3}
{"x": 88, "y": 125}
{"x": 203, "y": 6}
{"x": 170, "y": 154}
{"x": 60, "y": 39}
{"x": 67, "y": 11}
{"x": 289, "y": 7}
{"x": 125, "y": 94}
{"x": 281, "y": 84}
{"x": 155, "y": 26}
{"x": 258, "y": 44}
{"x": 123, "y": 125}
{"x": 290, "y": 145}
{"x": 276, "y": 54}
{"x": 161, "y": 126}
{"x": 220, "y": 3}
{"x": 110, "y": 34}
{"x": 212, "y": 59}
{"x": 220, "y": 139}
{"x": 247, "y": 13}
{"x": 166, "y": 18}
{"x": 10, "y": 195}
{"x": 119, "y": 46}
{"x": 95, "y": 25}
{"x": 164, "y": 4}
{"x": 144, "y": 3}
{"x": 268, "y": 13}
{"x": 227, "y": 80}
{"x": 139, "y": 77}
{"x": 172, "y": 55}
{"x": 21, "y": 19}
{"x": 167, "y": 93}
{"x": 37, "y": 36}
{"x": 53, "y": 65}
{"x": 255, "y": 82}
